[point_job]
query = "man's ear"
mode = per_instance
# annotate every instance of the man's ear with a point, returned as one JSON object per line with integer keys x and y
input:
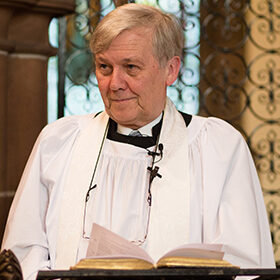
{"x": 172, "y": 67}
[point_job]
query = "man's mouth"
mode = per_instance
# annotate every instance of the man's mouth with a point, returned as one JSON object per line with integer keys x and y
{"x": 122, "y": 99}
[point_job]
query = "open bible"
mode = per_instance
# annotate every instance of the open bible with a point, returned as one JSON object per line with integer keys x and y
{"x": 108, "y": 250}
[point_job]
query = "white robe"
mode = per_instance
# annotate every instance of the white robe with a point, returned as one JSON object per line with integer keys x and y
{"x": 224, "y": 197}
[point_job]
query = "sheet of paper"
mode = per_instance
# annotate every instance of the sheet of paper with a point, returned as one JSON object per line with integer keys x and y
{"x": 104, "y": 242}
{"x": 199, "y": 250}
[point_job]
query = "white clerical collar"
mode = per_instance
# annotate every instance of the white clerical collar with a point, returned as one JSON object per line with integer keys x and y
{"x": 145, "y": 130}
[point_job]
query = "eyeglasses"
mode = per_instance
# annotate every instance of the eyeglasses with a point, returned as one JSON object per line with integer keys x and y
{"x": 153, "y": 173}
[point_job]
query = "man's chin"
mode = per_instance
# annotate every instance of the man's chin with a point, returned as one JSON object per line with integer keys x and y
{"x": 127, "y": 121}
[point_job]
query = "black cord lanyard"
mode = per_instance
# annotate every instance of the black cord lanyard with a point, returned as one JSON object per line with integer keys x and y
{"x": 91, "y": 187}
{"x": 152, "y": 169}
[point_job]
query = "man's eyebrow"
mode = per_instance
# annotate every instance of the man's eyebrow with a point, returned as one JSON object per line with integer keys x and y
{"x": 100, "y": 59}
{"x": 128, "y": 60}
{"x": 133, "y": 60}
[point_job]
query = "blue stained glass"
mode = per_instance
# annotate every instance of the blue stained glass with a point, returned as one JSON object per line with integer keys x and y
{"x": 53, "y": 74}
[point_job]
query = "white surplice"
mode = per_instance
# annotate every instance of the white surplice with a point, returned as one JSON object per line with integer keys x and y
{"x": 209, "y": 192}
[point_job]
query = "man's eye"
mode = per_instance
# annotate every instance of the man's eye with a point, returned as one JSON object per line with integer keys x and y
{"x": 105, "y": 69}
{"x": 103, "y": 66}
{"x": 132, "y": 68}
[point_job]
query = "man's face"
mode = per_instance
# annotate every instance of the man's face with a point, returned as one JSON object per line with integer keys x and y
{"x": 131, "y": 82}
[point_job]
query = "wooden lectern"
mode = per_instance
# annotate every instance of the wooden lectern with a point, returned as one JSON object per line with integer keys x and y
{"x": 160, "y": 274}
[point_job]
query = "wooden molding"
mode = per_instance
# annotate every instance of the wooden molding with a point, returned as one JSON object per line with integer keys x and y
{"x": 53, "y": 7}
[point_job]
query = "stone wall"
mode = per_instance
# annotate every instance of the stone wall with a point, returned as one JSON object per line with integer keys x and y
{"x": 24, "y": 53}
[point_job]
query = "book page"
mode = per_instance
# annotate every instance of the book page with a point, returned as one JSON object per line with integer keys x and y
{"x": 105, "y": 243}
{"x": 199, "y": 250}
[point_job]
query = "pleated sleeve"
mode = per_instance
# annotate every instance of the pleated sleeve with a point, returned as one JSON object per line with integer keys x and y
{"x": 227, "y": 194}
{"x": 32, "y": 222}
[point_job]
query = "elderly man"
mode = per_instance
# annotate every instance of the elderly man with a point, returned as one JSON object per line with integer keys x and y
{"x": 188, "y": 179}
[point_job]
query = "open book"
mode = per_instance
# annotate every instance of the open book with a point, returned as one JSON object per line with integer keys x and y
{"x": 108, "y": 250}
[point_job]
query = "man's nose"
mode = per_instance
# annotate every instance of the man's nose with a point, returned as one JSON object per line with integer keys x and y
{"x": 118, "y": 81}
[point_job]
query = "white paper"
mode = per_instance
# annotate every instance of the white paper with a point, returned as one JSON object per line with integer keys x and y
{"x": 105, "y": 243}
{"x": 199, "y": 250}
